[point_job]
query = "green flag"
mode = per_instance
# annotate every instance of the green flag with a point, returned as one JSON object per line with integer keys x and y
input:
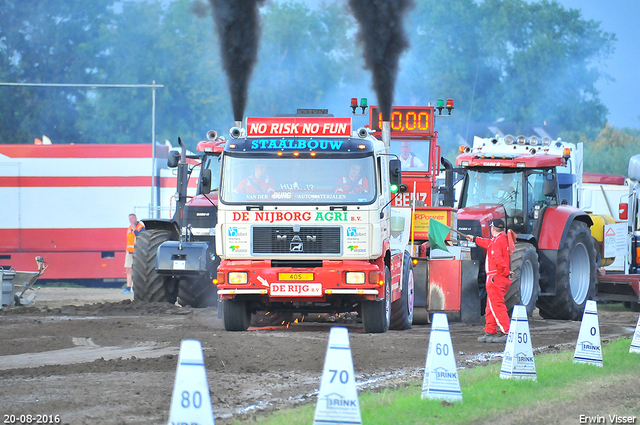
{"x": 438, "y": 232}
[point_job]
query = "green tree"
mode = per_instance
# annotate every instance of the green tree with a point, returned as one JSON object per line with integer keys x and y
{"x": 47, "y": 42}
{"x": 609, "y": 153}
{"x": 526, "y": 62}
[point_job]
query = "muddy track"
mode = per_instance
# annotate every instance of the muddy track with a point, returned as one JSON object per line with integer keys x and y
{"x": 114, "y": 362}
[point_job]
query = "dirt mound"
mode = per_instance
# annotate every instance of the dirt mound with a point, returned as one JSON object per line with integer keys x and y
{"x": 120, "y": 308}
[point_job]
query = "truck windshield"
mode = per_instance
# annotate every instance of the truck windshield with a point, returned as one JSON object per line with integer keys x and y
{"x": 493, "y": 187}
{"x": 272, "y": 180}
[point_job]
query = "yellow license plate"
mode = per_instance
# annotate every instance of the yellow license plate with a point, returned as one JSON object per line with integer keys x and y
{"x": 295, "y": 276}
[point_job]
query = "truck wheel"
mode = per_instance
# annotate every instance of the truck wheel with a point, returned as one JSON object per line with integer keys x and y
{"x": 402, "y": 309}
{"x": 198, "y": 292}
{"x": 377, "y": 314}
{"x": 148, "y": 285}
{"x": 525, "y": 285}
{"x": 575, "y": 276}
{"x": 236, "y": 315}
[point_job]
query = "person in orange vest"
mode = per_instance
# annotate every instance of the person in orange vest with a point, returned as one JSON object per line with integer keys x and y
{"x": 133, "y": 231}
{"x": 353, "y": 182}
{"x": 499, "y": 275}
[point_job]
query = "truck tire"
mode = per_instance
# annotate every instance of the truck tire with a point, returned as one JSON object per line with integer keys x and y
{"x": 148, "y": 285}
{"x": 525, "y": 285}
{"x": 236, "y": 315}
{"x": 402, "y": 309}
{"x": 198, "y": 292}
{"x": 377, "y": 314}
{"x": 575, "y": 276}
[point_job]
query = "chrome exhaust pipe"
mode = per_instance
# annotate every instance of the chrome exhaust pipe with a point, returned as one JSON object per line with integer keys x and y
{"x": 386, "y": 134}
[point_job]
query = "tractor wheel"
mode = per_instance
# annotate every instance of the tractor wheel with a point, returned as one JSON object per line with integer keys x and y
{"x": 148, "y": 285}
{"x": 525, "y": 285}
{"x": 236, "y": 315}
{"x": 198, "y": 292}
{"x": 575, "y": 276}
{"x": 402, "y": 309}
{"x": 377, "y": 314}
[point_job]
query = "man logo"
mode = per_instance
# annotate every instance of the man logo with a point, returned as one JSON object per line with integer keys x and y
{"x": 296, "y": 238}
{"x": 296, "y": 247}
{"x": 352, "y": 231}
{"x": 233, "y": 231}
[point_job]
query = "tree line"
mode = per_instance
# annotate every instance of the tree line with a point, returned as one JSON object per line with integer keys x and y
{"x": 526, "y": 63}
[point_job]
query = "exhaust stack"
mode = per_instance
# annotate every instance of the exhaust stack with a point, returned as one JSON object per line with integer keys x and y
{"x": 386, "y": 135}
{"x": 238, "y": 124}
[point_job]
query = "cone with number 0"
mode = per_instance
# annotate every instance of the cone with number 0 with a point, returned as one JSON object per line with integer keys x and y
{"x": 588, "y": 347}
{"x": 441, "y": 380}
{"x": 517, "y": 359}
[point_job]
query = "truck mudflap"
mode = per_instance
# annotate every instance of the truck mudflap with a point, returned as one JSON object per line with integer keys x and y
{"x": 183, "y": 258}
{"x": 315, "y": 284}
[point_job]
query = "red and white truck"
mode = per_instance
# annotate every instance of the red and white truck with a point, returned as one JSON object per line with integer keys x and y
{"x": 314, "y": 232}
{"x": 69, "y": 205}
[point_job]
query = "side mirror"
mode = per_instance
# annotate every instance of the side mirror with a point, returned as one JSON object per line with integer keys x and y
{"x": 205, "y": 181}
{"x": 623, "y": 211}
{"x": 550, "y": 186}
{"x": 395, "y": 172}
{"x": 174, "y": 159}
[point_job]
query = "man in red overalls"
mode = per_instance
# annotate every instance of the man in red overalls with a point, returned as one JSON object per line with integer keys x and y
{"x": 498, "y": 268}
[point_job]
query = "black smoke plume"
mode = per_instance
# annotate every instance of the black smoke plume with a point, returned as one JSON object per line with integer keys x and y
{"x": 382, "y": 36}
{"x": 237, "y": 23}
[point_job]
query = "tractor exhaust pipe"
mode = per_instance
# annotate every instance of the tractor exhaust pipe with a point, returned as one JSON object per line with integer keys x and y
{"x": 183, "y": 175}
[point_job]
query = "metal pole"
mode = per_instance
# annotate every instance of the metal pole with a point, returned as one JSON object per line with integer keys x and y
{"x": 153, "y": 151}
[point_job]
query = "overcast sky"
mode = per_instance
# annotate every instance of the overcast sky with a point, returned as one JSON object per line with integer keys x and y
{"x": 621, "y": 17}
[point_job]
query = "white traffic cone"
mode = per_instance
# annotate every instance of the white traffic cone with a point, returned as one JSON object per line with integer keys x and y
{"x": 440, "y": 372}
{"x": 191, "y": 401}
{"x": 635, "y": 342}
{"x": 588, "y": 347}
{"x": 517, "y": 359}
{"x": 338, "y": 397}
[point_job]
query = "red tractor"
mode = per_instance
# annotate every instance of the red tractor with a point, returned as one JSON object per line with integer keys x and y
{"x": 517, "y": 180}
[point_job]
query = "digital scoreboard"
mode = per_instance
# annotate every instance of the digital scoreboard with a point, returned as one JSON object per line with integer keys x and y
{"x": 411, "y": 121}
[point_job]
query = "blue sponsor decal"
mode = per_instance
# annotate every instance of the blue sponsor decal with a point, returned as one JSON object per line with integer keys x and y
{"x": 352, "y": 231}
{"x": 233, "y": 231}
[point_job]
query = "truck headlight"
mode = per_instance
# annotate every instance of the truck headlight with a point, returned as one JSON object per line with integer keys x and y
{"x": 238, "y": 278}
{"x": 355, "y": 277}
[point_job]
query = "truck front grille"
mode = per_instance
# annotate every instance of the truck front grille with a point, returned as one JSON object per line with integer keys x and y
{"x": 306, "y": 240}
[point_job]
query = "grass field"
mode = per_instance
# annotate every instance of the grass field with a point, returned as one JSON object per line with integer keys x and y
{"x": 486, "y": 396}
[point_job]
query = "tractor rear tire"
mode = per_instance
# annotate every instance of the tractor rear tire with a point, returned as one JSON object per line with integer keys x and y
{"x": 236, "y": 315}
{"x": 525, "y": 285}
{"x": 377, "y": 314}
{"x": 148, "y": 285}
{"x": 635, "y": 307}
{"x": 198, "y": 292}
{"x": 402, "y": 309}
{"x": 575, "y": 276}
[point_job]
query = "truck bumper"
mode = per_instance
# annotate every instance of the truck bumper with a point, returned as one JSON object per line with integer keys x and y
{"x": 289, "y": 284}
